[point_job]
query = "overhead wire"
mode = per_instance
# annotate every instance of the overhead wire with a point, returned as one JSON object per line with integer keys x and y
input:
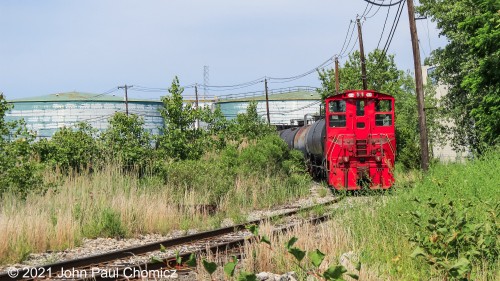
{"x": 345, "y": 39}
{"x": 383, "y": 28}
{"x": 394, "y": 26}
{"x": 292, "y": 78}
{"x": 345, "y": 46}
{"x": 382, "y": 4}
{"x": 376, "y": 11}
{"x": 341, "y": 54}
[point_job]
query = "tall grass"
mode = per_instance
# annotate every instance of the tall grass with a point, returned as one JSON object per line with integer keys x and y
{"x": 114, "y": 203}
{"x": 377, "y": 228}
{"x": 382, "y": 229}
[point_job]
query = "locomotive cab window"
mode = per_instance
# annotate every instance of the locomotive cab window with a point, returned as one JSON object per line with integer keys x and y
{"x": 383, "y": 120}
{"x": 360, "y": 108}
{"x": 383, "y": 106}
{"x": 337, "y": 106}
{"x": 337, "y": 120}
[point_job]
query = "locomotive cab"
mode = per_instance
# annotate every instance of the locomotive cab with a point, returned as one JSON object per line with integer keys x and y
{"x": 360, "y": 143}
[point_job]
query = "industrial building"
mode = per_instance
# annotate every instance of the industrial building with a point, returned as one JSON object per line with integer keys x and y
{"x": 445, "y": 152}
{"x": 44, "y": 115}
{"x": 287, "y": 106}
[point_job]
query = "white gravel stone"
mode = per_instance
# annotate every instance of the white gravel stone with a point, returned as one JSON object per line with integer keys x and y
{"x": 98, "y": 246}
{"x": 262, "y": 276}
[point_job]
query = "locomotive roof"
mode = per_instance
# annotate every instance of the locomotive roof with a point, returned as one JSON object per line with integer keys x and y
{"x": 341, "y": 95}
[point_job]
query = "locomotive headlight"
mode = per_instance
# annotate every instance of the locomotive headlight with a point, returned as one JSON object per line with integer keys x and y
{"x": 346, "y": 158}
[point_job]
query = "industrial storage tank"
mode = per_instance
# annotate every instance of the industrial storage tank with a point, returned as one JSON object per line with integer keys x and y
{"x": 287, "y": 106}
{"x": 44, "y": 115}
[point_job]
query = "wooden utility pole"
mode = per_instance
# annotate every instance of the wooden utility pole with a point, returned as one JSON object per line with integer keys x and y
{"x": 362, "y": 55}
{"x": 424, "y": 147}
{"x": 337, "y": 83}
{"x": 126, "y": 96}
{"x": 197, "y": 123}
{"x": 267, "y": 102}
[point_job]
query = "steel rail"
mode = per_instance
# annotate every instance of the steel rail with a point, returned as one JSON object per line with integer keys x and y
{"x": 170, "y": 261}
{"x": 89, "y": 261}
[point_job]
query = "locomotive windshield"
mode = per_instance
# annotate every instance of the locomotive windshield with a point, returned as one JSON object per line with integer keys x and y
{"x": 383, "y": 106}
{"x": 337, "y": 106}
{"x": 360, "y": 108}
{"x": 383, "y": 119}
{"x": 337, "y": 120}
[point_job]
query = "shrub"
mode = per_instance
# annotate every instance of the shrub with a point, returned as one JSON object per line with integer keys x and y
{"x": 70, "y": 149}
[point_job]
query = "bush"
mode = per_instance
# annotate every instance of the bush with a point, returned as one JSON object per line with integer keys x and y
{"x": 445, "y": 217}
{"x": 19, "y": 172}
{"x": 107, "y": 223}
{"x": 70, "y": 149}
{"x": 127, "y": 142}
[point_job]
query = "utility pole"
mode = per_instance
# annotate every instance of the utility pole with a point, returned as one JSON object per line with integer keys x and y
{"x": 126, "y": 96}
{"x": 419, "y": 87}
{"x": 362, "y": 55}
{"x": 337, "y": 83}
{"x": 267, "y": 102}
{"x": 197, "y": 123}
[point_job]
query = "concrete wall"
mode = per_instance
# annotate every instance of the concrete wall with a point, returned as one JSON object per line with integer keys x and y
{"x": 444, "y": 152}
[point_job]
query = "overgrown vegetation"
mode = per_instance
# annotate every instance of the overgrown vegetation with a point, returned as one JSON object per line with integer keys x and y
{"x": 123, "y": 181}
{"x": 310, "y": 266}
{"x": 448, "y": 222}
{"x": 468, "y": 65}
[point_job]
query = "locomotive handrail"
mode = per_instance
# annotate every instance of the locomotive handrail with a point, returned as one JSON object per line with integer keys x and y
{"x": 390, "y": 145}
{"x": 334, "y": 141}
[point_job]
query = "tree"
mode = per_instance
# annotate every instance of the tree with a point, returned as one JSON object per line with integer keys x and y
{"x": 217, "y": 126}
{"x": 127, "y": 141}
{"x": 249, "y": 125}
{"x": 383, "y": 76}
{"x": 469, "y": 66}
{"x": 19, "y": 172}
{"x": 179, "y": 138}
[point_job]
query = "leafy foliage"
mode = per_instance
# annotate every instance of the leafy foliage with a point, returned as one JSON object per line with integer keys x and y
{"x": 19, "y": 172}
{"x": 451, "y": 241}
{"x": 469, "y": 66}
{"x": 249, "y": 125}
{"x": 126, "y": 140}
{"x": 179, "y": 138}
{"x": 70, "y": 149}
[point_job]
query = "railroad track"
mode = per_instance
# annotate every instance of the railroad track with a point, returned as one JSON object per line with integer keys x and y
{"x": 129, "y": 262}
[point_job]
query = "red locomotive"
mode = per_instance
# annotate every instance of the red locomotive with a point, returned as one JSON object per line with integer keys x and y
{"x": 354, "y": 145}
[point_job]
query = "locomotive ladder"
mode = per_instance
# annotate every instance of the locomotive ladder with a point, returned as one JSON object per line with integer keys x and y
{"x": 361, "y": 147}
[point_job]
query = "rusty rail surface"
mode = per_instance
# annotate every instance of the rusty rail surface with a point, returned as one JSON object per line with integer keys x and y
{"x": 95, "y": 260}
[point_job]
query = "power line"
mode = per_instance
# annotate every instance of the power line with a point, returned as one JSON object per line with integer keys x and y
{"x": 228, "y": 88}
{"x": 383, "y": 5}
{"x": 366, "y": 7}
{"x": 292, "y": 78}
{"x": 391, "y": 33}
{"x": 348, "y": 44}
{"x": 383, "y": 28}
{"x": 346, "y": 35}
{"x": 112, "y": 90}
{"x": 238, "y": 85}
{"x": 378, "y": 9}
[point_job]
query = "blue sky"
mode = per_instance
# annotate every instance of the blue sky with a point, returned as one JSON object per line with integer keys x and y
{"x": 95, "y": 45}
